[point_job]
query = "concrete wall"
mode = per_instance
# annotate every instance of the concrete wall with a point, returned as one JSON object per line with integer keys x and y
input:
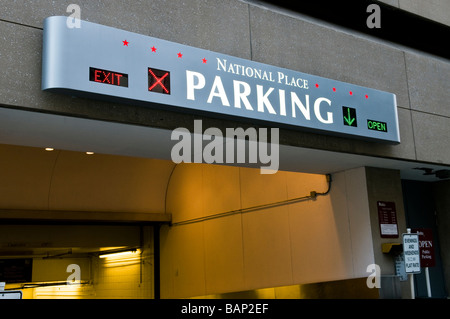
{"x": 385, "y": 185}
{"x": 325, "y": 239}
{"x": 251, "y": 31}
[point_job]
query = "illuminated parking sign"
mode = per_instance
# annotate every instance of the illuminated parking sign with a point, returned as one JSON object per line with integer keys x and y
{"x": 349, "y": 116}
{"x": 377, "y": 126}
{"x": 97, "y": 61}
{"x": 108, "y": 77}
{"x": 158, "y": 81}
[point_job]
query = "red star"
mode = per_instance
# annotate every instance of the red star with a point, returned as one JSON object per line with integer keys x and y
{"x": 125, "y": 42}
{"x": 317, "y": 85}
{"x": 180, "y": 55}
{"x": 153, "y": 49}
{"x": 204, "y": 60}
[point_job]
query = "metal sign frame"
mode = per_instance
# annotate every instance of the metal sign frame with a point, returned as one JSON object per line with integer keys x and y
{"x": 206, "y": 82}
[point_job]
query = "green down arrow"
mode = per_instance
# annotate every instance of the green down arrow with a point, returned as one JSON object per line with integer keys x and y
{"x": 350, "y": 119}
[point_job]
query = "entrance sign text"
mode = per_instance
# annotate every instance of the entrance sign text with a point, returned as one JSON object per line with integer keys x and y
{"x": 387, "y": 219}
{"x": 427, "y": 255}
{"x": 108, "y": 77}
{"x": 411, "y": 253}
{"x": 76, "y": 60}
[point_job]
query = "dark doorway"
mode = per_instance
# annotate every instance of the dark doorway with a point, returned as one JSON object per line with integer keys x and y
{"x": 420, "y": 212}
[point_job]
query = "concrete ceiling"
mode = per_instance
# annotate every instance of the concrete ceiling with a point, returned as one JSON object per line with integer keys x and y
{"x": 26, "y": 128}
{"x": 34, "y": 129}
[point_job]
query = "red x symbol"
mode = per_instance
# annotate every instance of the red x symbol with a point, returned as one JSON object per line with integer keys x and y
{"x": 158, "y": 81}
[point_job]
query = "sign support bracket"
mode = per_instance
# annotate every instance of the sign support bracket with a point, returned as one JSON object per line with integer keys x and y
{"x": 413, "y": 250}
{"x": 411, "y": 281}
{"x": 427, "y": 278}
{"x": 411, "y": 276}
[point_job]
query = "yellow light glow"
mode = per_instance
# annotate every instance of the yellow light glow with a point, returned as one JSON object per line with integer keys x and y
{"x": 90, "y": 153}
{"x": 49, "y": 149}
{"x": 121, "y": 254}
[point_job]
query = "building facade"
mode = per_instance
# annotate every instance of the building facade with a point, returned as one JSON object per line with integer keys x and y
{"x": 83, "y": 177}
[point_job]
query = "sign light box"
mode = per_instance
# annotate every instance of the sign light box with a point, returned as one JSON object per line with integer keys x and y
{"x": 97, "y": 61}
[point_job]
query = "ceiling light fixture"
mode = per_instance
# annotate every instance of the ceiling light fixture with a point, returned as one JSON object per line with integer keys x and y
{"x": 117, "y": 253}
